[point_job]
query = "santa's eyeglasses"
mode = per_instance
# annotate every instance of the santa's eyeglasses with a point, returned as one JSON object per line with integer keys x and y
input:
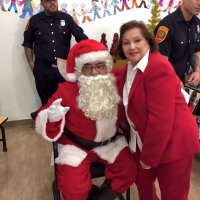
{"x": 88, "y": 68}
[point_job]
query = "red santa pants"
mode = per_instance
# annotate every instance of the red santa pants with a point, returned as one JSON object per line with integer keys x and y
{"x": 173, "y": 179}
{"x": 75, "y": 182}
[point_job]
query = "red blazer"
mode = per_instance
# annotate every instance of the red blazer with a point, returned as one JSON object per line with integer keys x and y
{"x": 160, "y": 114}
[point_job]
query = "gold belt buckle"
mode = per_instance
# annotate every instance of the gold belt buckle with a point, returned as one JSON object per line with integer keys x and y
{"x": 102, "y": 143}
{"x": 105, "y": 142}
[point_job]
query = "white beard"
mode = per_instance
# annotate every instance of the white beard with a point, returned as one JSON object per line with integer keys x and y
{"x": 98, "y": 97}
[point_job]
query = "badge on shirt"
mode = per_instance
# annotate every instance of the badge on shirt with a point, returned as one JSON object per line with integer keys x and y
{"x": 62, "y": 22}
{"x": 161, "y": 34}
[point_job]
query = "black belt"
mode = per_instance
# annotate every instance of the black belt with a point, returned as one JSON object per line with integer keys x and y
{"x": 88, "y": 144}
{"x": 44, "y": 63}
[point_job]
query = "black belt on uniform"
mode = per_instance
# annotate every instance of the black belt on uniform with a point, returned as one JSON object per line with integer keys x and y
{"x": 44, "y": 63}
{"x": 88, "y": 144}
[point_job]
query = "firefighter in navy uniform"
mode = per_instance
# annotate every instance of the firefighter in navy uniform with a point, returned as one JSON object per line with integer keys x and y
{"x": 178, "y": 36}
{"x": 46, "y": 37}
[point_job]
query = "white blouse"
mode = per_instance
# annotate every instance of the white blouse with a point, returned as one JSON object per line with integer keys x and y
{"x": 131, "y": 73}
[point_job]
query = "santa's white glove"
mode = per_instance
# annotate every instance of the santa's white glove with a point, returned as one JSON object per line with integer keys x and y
{"x": 56, "y": 112}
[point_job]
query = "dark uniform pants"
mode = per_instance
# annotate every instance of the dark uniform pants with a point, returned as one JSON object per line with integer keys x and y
{"x": 47, "y": 79}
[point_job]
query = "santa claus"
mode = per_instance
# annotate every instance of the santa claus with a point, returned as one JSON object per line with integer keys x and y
{"x": 83, "y": 116}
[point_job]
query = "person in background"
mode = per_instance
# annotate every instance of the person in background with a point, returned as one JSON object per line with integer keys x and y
{"x": 164, "y": 133}
{"x": 83, "y": 115}
{"x": 178, "y": 36}
{"x": 47, "y": 36}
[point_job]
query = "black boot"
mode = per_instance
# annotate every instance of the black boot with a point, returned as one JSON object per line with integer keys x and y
{"x": 105, "y": 193}
{"x": 33, "y": 114}
{"x": 94, "y": 190}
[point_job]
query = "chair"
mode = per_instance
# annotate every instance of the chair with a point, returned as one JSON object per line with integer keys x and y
{"x": 97, "y": 171}
{"x": 3, "y": 119}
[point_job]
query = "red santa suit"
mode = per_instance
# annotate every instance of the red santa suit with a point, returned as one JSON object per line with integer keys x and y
{"x": 74, "y": 179}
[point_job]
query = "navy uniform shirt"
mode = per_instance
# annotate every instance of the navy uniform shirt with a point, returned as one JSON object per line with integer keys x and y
{"x": 178, "y": 40}
{"x": 50, "y": 36}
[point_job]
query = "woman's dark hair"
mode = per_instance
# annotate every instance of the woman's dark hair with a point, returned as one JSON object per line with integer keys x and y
{"x": 144, "y": 31}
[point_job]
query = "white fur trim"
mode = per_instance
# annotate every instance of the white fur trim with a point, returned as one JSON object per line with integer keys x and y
{"x": 186, "y": 95}
{"x": 110, "y": 151}
{"x": 40, "y": 126}
{"x": 103, "y": 56}
{"x": 70, "y": 155}
{"x": 71, "y": 77}
{"x": 106, "y": 128}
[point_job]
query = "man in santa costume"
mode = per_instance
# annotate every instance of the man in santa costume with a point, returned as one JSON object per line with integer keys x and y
{"x": 83, "y": 116}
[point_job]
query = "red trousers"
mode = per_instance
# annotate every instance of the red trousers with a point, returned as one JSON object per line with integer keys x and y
{"x": 173, "y": 179}
{"x": 75, "y": 182}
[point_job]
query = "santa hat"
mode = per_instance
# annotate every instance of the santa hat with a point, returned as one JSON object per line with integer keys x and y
{"x": 83, "y": 52}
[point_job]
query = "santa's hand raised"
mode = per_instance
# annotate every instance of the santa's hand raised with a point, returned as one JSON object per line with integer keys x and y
{"x": 56, "y": 112}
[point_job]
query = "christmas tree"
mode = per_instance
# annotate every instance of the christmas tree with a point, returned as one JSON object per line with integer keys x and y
{"x": 155, "y": 16}
{"x": 113, "y": 49}
{"x": 103, "y": 40}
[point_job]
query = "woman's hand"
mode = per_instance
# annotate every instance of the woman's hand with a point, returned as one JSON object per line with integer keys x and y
{"x": 194, "y": 78}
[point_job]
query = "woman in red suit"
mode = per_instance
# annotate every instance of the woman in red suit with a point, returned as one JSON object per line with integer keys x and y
{"x": 164, "y": 133}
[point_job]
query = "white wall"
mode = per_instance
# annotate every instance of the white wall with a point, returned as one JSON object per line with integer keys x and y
{"x": 18, "y": 96}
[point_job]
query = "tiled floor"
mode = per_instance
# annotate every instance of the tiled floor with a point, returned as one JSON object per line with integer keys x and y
{"x": 26, "y": 174}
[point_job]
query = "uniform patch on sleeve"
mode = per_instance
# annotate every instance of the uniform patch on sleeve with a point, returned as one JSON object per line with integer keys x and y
{"x": 161, "y": 34}
{"x": 27, "y": 25}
